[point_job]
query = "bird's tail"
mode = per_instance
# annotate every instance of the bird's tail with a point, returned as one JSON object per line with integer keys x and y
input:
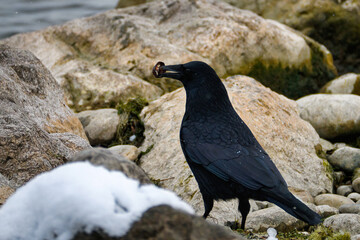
{"x": 295, "y": 207}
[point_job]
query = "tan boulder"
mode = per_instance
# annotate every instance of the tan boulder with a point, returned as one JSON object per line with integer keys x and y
{"x": 130, "y": 152}
{"x": 348, "y": 83}
{"x": 274, "y": 120}
{"x": 101, "y": 125}
{"x": 333, "y": 200}
{"x": 37, "y": 130}
{"x": 332, "y": 115}
{"x": 102, "y": 59}
{"x": 344, "y": 222}
{"x": 332, "y": 23}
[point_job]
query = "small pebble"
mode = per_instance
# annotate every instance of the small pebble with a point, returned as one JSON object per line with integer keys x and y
{"x": 344, "y": 190}
{"x": 354, "y": 196}
{"x": 350, "y": 208}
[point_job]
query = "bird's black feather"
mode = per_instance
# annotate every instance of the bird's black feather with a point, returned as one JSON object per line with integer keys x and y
{"x": 223, "y": 154}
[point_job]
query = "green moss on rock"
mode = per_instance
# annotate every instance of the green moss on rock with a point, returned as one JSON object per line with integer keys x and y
{"x": 314, "y": 233}
{"x": 134, "y": 127}
{"x": 339, "y": 31}
{"x": 327, "y": 233}
{"x": 328, "y": 169}
{"x": 295, "y": 82}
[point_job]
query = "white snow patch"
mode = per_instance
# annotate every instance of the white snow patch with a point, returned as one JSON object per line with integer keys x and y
{"x": 272, "y": 234}
{"x": 132, "y": 138}
{"x": 79, "y": 197}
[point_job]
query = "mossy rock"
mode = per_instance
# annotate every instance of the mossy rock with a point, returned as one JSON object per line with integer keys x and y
{"x": 328, "y": 169}
{"x": 316, "y": 233}
{"x": 297, "y": 82}
{"x": 347, "y": 84}
{"x": 133, "y": 131}
{"x": 339, "y": 31}
{"x": 329, "y": 22}
{"x": 129, "y": 3}
{"x": 322, "y": 233}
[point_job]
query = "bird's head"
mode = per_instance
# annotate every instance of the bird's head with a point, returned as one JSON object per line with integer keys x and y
{"x": 191, "y": 74}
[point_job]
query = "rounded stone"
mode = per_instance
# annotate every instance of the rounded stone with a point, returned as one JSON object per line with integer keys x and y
{"x": 332, "y": 115}
{"x": 332, "y": 200}
{"x": 354, "y": 196}
{"x": 347, "y": 83}
{"x": 345, "y": 158}
{"x": 350, "y": 208}
{"x": 346, "y": 222}
{"x": 326, "y": 211}
{"x": 356, "y": 184}
{"x": 131, "y": 152}
{"x": 100, "y": 125}
{"x": 344, "y": 190}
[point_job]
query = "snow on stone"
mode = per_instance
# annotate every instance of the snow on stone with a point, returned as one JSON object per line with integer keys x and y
{"x": 79, "y": 197}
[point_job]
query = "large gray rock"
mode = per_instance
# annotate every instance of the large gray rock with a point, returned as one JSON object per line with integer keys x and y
{"x": 78, "y": 55}
{"x": 332, "y": 23}
{"x": 332, "y": 115}
{"x": 100, "y": 125}
{"x": 274, "y": 120}
{"x": 332, "y": 200}
{"x": 345, "y": 158}
{"x": 273, "y": 217}
{"x": 326, "y": 211}
{"x": 348, "y": 83}
{"x": 112, "y": 161}
{"x": 101, "y": 59}
{"x": 164, "y": 222}
{"x": 37, "y": 130}
{"x": 344, "y": 222}
{"x": 350, "y": 208}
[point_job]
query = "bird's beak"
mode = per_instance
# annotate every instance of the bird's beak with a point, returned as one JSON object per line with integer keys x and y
{"x": 170, "y": 71}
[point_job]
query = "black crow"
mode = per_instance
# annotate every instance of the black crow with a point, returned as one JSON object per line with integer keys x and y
{"x": 223, "y": 154}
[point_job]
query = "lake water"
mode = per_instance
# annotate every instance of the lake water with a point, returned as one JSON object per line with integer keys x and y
{"x": 18, "y": 16}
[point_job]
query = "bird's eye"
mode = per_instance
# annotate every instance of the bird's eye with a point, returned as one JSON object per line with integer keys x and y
{"x": 187, "y": 71}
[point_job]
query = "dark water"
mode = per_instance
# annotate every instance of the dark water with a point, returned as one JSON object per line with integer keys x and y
{"x": 18, "y": 16}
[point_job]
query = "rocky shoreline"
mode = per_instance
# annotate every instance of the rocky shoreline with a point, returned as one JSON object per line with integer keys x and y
{"x": 88, "y": 83}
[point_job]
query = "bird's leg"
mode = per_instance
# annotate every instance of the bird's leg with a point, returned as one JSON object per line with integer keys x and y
{"x": 244, "y": 208}
{"x": 208, "y": 204}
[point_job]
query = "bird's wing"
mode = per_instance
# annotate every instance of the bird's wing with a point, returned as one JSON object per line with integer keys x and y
{"x": 246, "y": 165}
